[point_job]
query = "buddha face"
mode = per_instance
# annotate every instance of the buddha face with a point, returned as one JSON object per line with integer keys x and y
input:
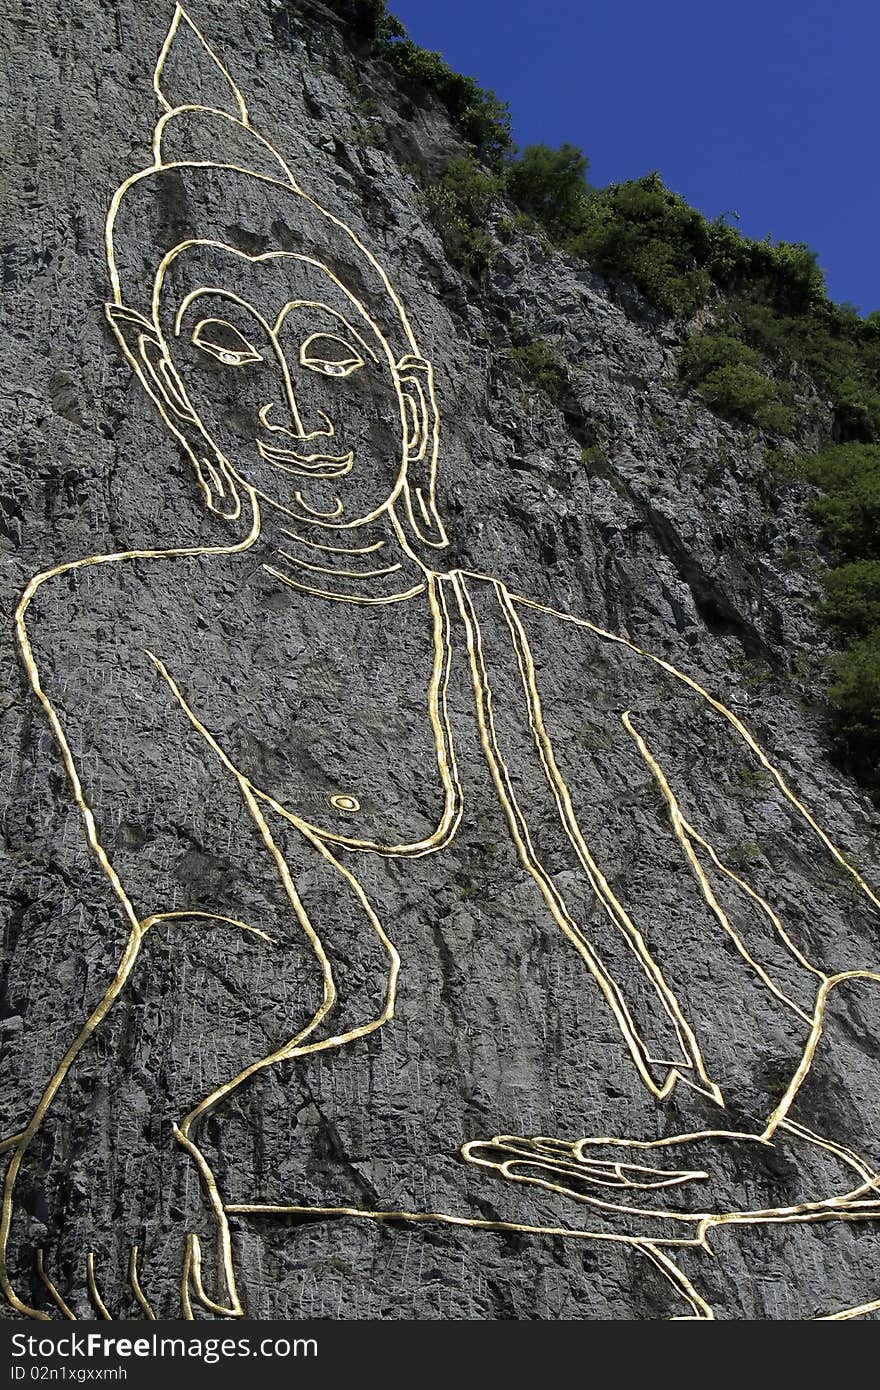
{"x": 284, "y": 376}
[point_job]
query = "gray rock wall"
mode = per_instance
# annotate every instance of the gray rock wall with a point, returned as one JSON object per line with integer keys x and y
{"x": 523, "y": 992}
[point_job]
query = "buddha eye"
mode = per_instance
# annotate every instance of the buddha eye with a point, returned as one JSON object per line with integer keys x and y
{"x": 224, "y": 342}
{"x": 332, "y": 356}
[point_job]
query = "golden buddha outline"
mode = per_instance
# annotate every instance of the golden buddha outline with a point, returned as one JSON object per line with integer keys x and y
{"x": 302, "y": 478}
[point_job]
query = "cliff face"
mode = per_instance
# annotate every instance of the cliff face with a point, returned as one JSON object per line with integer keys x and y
{"x": 621, "y": 878}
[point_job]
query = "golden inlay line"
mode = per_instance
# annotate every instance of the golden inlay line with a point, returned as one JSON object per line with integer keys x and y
{"x": 134, "y": 1281}
{"x": 345, "y": 574}
{"x": 861, "y": 1311}
{"x": 335, "y": 549}
{"x": 650, "y": 1248}
{"x": 336, "y": 511}
{"x": 727, "y": 714}
{"x": 94, "y": 1293}
{"x": 59, "y": 1302}
{"x": 603, "y": 1173}
{"x": 683, "y": 834}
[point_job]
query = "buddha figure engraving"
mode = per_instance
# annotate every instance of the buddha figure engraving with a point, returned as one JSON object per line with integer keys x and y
{"x": 357, "y": 738}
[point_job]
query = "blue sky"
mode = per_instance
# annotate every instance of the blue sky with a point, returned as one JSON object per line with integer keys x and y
{"x": 764, "y": 107}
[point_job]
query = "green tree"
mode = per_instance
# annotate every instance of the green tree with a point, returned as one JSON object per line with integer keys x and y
{"x": 848, "y": 512}
{"x": 707, "y": 352}
{"x": 550, "y": 185}
{"x": 852, "y": 598}
{"x": 740, "y": 392}
{"x": 855, "y": 690}
{"x": 642, "y": 232}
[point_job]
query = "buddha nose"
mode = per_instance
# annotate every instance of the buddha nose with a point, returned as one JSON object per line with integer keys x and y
{"x": 296, "y": 428}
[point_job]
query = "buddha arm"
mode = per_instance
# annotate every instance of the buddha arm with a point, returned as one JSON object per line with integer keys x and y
{"x": 711, "y": 757}
{"x": 756, "y": 901}
{"x": 187, "y": 851}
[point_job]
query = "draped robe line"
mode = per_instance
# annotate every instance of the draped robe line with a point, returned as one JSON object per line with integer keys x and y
{"x": 658, "y": 1036}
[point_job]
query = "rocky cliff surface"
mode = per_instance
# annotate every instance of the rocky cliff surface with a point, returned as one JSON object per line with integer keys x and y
{"x": 742, "y": 858}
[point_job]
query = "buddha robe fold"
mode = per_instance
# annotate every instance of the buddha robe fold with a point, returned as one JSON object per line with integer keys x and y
{"x": 610, "y": 768}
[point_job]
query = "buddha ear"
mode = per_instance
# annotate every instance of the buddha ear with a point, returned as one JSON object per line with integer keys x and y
{"x": 143, "y": 347}
{"x": 145, "y": 352}
{"x": 422, "y": 443}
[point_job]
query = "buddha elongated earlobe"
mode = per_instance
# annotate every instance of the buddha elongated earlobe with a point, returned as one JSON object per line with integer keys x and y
{"x": 422, "y": 431}
{"x": 145, "y": 353}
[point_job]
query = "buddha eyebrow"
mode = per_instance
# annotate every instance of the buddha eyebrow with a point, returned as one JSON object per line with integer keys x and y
{"x": 204, "y": 290}
{"x": 325, "y": 308}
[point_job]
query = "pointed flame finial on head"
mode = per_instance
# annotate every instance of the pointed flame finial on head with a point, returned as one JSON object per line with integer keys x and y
{"x": 186, "y": 40}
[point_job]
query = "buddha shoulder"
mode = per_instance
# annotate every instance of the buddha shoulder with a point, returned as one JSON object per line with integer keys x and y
{"x": 102, "y": 612}
{"x": 580, "y": 666}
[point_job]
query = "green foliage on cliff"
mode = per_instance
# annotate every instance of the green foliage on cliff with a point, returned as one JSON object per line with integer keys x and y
{"x": 538, "y": 363}
{"x": 706, "y": 353}
{"x": 768, "y": 296}
{"x": 481, "y": 117}
{"x": 831, "y": 346}
{"x": 457, "y": 205}
{"x": 855, "y": 692}
{"x": 729, "y": 376}
{"x": 550, "y": 185}
{"x": 740, "y": 392}
{"x": 852, "y": 599}
{"x": 774, "y": 327}
{"x": 848, "y": 514}
{"x": 641, "y": 232}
